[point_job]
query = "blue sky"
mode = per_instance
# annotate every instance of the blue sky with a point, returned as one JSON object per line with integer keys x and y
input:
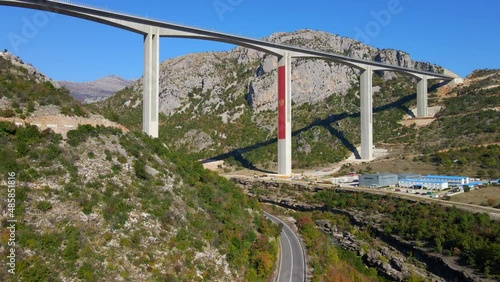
{"x": 458, "y": 35}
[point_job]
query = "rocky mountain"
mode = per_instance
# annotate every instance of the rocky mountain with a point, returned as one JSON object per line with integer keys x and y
{"x": 29, "y": 97}
{"x": 97, "y": 90}
{"x": 25, "y": 92}
{"x": 225, "y": 101}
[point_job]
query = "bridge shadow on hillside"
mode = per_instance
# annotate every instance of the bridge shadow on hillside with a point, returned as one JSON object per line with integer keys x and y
{"x": 237, "y": 154}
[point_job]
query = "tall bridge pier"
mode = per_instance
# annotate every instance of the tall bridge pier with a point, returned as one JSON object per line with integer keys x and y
{"x": 151, "y": 83}
{"x": 366, "y": 112}
{"x": 285, "y": 114}
{"x": 422, "y": 96}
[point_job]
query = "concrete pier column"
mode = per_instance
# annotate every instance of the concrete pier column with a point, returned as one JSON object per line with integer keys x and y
{"x": 422, "y": 97}
{"x": 151, "y": 83}
{"x": 366, "y": 94}
{"x": 284, "y": 114}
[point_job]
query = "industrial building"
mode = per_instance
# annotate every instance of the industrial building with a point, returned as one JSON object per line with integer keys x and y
{"x": 413, "y": 180}
{"x": 452, "y": 180}
{"x": 409, "y": 176}
{"x": 416, "y": 183}
{"x": 472, "y": 185}
{"x": 378, "y": 180}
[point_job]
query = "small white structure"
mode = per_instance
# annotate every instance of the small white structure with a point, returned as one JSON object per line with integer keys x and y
{"x": 423, "y": 183}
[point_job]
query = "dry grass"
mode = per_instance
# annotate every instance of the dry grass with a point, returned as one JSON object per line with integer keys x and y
{"x": 400, "y": 166}
{"x": 484, "y": 196}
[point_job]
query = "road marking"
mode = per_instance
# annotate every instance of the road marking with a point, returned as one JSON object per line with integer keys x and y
{"x": 291, "y": 255}
{"x": 275, "y": 220}
{"x": 281, "y": 259}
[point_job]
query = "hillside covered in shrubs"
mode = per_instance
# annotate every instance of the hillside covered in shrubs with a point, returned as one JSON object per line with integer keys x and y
{"x": 107, "y": 204}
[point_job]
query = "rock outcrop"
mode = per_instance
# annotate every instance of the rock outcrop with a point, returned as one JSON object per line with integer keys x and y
{"x": 391, "y": 263}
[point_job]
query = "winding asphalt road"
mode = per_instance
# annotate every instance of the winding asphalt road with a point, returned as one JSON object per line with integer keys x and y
{"x": 292, "y": 262}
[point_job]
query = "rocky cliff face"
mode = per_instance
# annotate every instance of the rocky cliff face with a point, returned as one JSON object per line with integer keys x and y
{"x": 251, "y": 73}
{"x": 93, "y": 91}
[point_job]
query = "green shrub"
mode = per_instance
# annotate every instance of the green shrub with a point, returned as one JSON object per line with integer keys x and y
{"x": 140, "y": 169}
{"x": 30, "y": 107}
{"x": 116, "y": 168}
{"x": 71, "y": 234}
{"x": 7, "y": 113}
{"x": 81, "y": 134}
{"x": 7, "y": 128}
{"x": 121, "y": 159}
{"x": 8, "y": 163}
{"x": 37, "y": 272}
{"x": 29, "y": 134}
{"x": 86, "y": 272}
{"x": 52, "y": 152}
{"x": 44, "y": 206}
{"x": 22, "y": 149}
{"x": 66, "y": 110}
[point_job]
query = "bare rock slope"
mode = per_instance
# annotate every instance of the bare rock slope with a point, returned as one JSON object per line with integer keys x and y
{"x": 93, "y": 91}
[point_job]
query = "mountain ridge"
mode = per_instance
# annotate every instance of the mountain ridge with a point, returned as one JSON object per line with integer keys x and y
{"x": 96, "y": 90}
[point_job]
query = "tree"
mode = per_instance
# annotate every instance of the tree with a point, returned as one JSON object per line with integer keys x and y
{"x": 30, "y": 107}
{"x": 481, "y": 173}
{"x": 492, "y": 173}
{"x": 438, "y": 243}
{"x": 466, "y": 188}
{"x": 140, "y": 169}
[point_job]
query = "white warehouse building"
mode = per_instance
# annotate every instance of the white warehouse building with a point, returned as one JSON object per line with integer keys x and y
{"x": 416, "y": 183}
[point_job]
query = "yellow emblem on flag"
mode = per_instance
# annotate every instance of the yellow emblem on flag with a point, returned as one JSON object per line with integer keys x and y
{"x": 281, "y": 102}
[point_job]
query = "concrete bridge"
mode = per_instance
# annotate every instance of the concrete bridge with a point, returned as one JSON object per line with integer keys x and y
{"x": 152, "y": 30}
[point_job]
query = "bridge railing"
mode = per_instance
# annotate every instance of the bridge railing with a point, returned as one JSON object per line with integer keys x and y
{"x": 94, "y": 7}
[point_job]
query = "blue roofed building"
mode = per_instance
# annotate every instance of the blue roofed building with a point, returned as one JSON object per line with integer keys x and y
{"x": 474, "y": 184}
{"x": 418, "y": 183}
{"x": 452, "y": 180}
{"x": 495, "y": 181}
